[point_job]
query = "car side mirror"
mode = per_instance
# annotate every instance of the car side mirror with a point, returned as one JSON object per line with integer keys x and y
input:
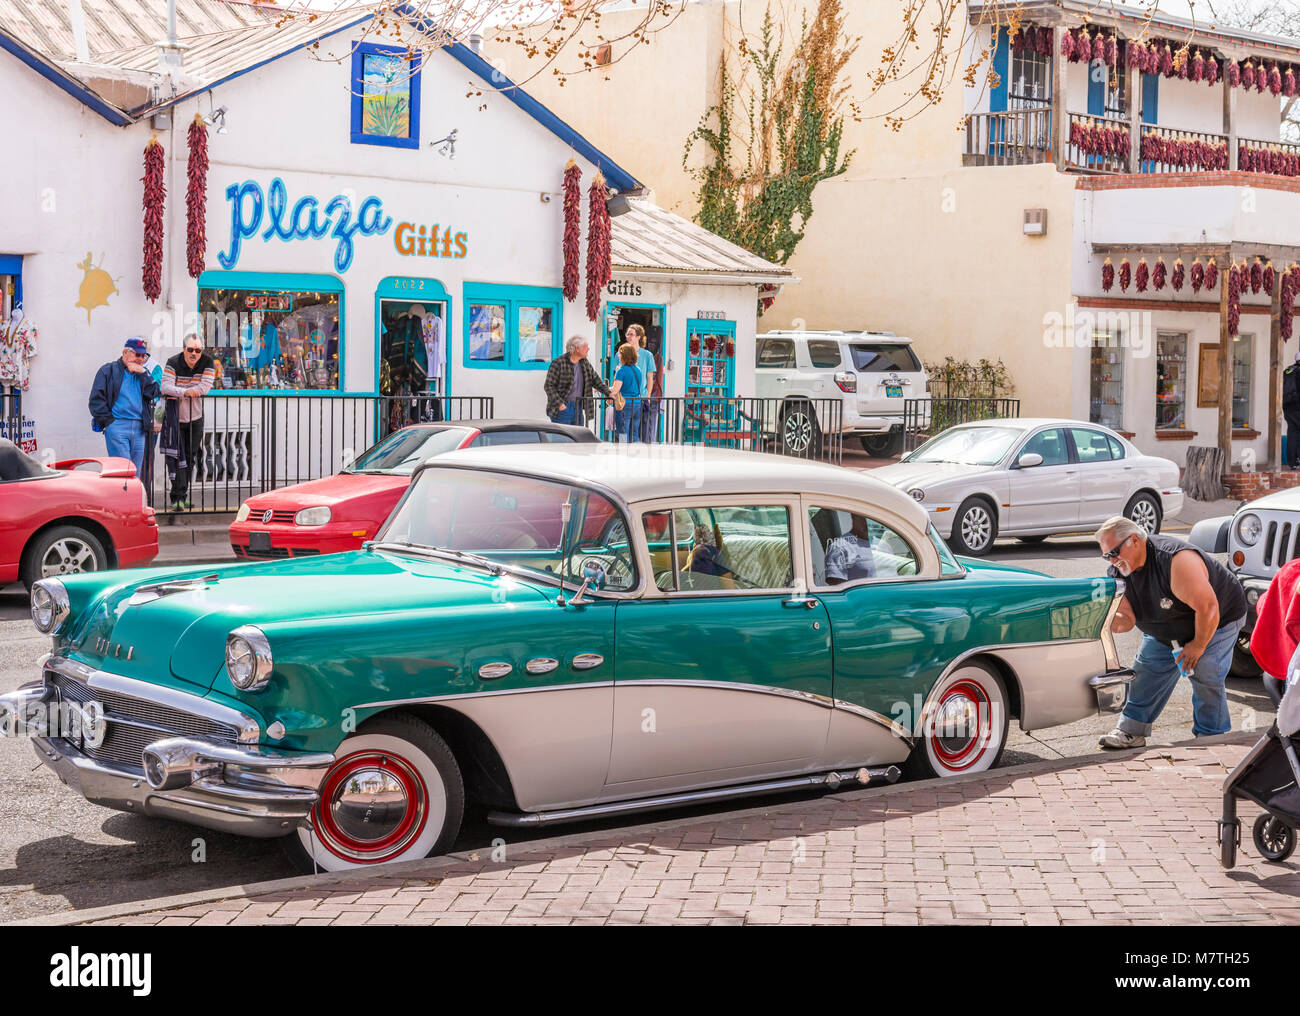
{"x": 1029, "y": 459}
{"x": 594, "y": 574}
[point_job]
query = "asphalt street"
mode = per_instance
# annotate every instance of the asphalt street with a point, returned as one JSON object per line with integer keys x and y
{"x": 59, "y": 853}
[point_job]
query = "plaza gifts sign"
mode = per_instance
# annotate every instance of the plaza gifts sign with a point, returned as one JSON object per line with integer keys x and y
{"x": 267, "y": 214}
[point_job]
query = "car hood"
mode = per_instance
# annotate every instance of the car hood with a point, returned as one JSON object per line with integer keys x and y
{"x": 331, "y": 491}
{"x": 183, "y": 634}
{"x": 1280, "y": 500}
{"x": 906, "y": 475}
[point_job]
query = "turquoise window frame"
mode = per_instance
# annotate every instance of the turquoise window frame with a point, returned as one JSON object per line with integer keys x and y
{"x": 393, "y": 287}
{"x": 281, "y": 282}
{"x": 512, "y": 298}
{"x": 705, "y": 326}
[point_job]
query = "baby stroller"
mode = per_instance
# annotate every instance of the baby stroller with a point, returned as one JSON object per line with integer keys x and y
{"x": 1269, "y": 776}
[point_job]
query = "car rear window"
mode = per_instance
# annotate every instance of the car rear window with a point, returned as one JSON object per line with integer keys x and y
{"x": 505, "y": 437}
{"x": 776, "y": 353}
{"x": 824, "y": 353}
{"x": 881, "y": 357}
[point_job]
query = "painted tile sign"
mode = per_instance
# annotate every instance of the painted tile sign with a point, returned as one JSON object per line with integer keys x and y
{"x": 267, "y": 214}
{"x": 386, "y": 97}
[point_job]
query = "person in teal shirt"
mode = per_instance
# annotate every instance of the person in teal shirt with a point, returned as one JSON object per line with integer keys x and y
{"x": 627, "y": 382}
{"x": 645, "y": 361}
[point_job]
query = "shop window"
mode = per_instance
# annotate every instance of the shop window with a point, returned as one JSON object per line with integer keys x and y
{"x": 272, "y": 332}
{"x": 512, "y": 327}
{"x": 1106, "y": 380}
{"x": 385, "y": 96}
{"x": 1171, "y": 381}
{"x": 711, "y": 351}
{"x": 1242, "y": 346}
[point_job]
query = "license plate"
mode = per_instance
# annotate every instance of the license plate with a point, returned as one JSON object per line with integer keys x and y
{"x": 893, "y": 391}
{"x": 259, "y": 541}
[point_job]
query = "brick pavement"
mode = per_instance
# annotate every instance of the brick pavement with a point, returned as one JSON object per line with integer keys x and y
{"x": 1127, "y": 839}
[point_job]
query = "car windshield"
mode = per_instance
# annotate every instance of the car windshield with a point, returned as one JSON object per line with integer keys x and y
{"x": 403, "y": 450}
{"x": 969, "y": 446}
{"x": 515, "y": 521}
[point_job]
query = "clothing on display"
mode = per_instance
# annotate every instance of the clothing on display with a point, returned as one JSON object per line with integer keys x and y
{"x": 17, "y": 348}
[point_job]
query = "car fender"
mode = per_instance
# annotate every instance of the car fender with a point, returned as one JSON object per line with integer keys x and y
{"x": 1211, "y": 535}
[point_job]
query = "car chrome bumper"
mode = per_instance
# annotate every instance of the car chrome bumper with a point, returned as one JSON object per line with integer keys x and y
{"x": 1111, "y": 689}
{"x": 242, "y": 789}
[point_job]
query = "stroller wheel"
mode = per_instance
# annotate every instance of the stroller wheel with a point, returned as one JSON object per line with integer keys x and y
{"x": 1229, "y": 839}
{"x": 1274, "y": 839}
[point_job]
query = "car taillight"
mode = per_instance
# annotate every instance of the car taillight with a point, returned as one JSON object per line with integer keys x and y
{"x": 847, "y": 381}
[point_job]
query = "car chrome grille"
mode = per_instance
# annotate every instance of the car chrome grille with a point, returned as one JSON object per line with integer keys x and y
{"x": 135, "y": 723}
{"x": 1281, "y": 544}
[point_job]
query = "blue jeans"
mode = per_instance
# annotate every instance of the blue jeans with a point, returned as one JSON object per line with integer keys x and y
{"x": 1156, "y": 675}
{"x": 571, "y": 413}
{"x": 627, "y": 422}
{"x": 650, "y": 420}
{"x": 125, "y": 439}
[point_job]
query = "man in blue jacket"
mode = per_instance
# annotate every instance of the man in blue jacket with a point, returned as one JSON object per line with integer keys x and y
{"x": 121, "y": 404}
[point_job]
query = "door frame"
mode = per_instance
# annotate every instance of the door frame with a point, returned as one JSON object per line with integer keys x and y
{"x": 432, "y": 291}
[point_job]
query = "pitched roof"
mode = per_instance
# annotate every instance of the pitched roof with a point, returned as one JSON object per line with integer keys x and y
{"x": 222, "y": 39}
{"x": 649, "y": 239}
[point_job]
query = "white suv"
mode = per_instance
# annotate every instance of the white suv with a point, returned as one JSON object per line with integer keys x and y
{"x": 873, "y": 372}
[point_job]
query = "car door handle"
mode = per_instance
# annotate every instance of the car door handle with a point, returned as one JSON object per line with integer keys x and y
{"x": 800, "y": 601}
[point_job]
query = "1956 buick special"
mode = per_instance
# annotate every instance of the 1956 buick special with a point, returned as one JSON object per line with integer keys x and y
{"x": 558, "y": 633}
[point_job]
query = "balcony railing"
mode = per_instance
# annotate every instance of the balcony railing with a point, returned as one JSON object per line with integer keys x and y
{"x": 1169, "y": 151}
{"x": 1098, "y": 144}
{"x": 1018, "y": 137}
{"x": 1268, "y": 157}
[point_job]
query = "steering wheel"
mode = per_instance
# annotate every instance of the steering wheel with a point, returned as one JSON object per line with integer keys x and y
{"x": 598, "y": 547}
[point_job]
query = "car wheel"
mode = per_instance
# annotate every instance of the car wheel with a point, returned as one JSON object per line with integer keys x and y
{"x": 1243, "y": 660}
{"x": 800, "y": 434}
{"x": 63, "y": 550}
{"x": 975, "y": 527}
{"x": 394, "y": 793}
{"x": 1144, "y": 511}
{"x": 963, "y": 725}
{"x": 883, "y": 446}
{"x": 1274, "y": 839}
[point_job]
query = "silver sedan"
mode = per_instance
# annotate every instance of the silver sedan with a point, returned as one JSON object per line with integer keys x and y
{"x": 1031, "y": 479}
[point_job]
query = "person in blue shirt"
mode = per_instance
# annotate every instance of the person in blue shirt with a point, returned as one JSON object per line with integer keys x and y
{"x": 121, "y": 404}
{"x": 627, "y": 382}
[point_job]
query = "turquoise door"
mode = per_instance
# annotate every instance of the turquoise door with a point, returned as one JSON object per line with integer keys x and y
{"x": 712, "y": 415}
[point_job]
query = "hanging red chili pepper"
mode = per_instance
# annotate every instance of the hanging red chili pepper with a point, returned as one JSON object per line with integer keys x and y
{"x": 1067, "y": 46}
{"x": 731, "y": 348}
{"x": 572, "y": 244}
{"x": 1110, "y": 51}
{"x": 1275, "y": 79}
{"x": 1234, "y": 73}
{"x": 1256, "y": 275}
{"x": 196, "y": 197}
{"x": 1288, "y": 82}
{"x": 1198, "y": 67}
{"x": 1198, "y": 275}
{"x": 1234, "y": 299}
{"x": 1287, "y": 315}
{"x": 1125, "y": 275}
{"x": 1167, "y": 62}
{"x": 1211, "y": 274}
{"x": 1248, "y": 75}
{"x": 1268, "y": 277}
{"x": 1107, "y": 275}
{"x": 598, "y": 249}
{"x": 1141, "y": 276}
{"x": 1211, "y": 70}
{"x": 1158, "y": 274}
{"x": 1177, "y": 276}
{"x": 695, "y": 345}
{"x": 155, "y": 193}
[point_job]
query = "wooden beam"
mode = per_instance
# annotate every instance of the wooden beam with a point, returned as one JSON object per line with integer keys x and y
{"x": 1275, "y": 252}
{"x": 1225, "y": 372}
{"x": 1060, "y": 116}
{"x": 1229, "y": 116}
{"x": 1133, "y": 96}
{"x": 1275, "y": 375}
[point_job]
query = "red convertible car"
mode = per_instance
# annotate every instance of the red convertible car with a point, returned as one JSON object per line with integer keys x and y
{"x": 342, "y": 511}
{"x": 83, "y": 515}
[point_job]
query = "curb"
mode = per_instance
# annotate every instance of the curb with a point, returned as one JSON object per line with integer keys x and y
{"x": 431, "y": 867}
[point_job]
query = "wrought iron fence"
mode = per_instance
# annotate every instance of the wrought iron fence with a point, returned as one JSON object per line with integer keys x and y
{"x": 926, "y": 418}
{"x": 11, "y": 413}
{"x": 802, "y": 428}
{"x": 251, "y": 444}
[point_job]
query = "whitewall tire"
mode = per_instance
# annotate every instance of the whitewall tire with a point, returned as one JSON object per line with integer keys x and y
{"x": 964, "y": 724}
{"x": 394, "y": 793}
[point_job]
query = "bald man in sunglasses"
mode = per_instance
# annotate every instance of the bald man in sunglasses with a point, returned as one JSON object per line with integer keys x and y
{"x": 1189, "y": 609}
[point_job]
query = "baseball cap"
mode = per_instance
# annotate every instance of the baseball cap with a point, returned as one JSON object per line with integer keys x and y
{"x": 136, "y": 345}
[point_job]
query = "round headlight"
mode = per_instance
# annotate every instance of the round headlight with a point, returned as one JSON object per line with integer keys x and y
{"x": 1248, "y": 529}
{"x": 312, "y": 516}
{"x": 242, "y": 514}
{"x": 49, "y": 606}
{"x": 917, "y": 494}
{"x": 248, "y": 658}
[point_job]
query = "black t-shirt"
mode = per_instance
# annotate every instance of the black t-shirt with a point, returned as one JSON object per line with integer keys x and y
{"x": 1161, "y": 614}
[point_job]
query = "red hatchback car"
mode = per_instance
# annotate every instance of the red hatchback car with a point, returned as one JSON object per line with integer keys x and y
{"x": 83, "y": 515}
{"x": 342, "y": 511}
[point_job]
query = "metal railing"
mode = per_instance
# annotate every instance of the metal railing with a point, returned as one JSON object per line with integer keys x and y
{"x": 1017, "y": 137}
{"x": 926, "y": 418}
{"x": 11, "y": 413}
{"x": 255, "y": 443}
{"x": 799, "y": 427}
{"x": 1176, "y": 151}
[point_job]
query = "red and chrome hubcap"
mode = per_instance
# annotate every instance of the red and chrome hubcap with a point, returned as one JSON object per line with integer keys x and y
{"x": 961, "y": 725}
{"x": 373, "y": 806}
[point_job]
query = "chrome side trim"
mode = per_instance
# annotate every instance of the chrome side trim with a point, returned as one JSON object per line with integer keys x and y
{"x": 426, "y": 699}
{"x": 587, "y": 661}
{"x": 893, "y": 726}
{"x": 825, "y": 701}
{"x": 249, "y": 730}
{"x": 541, "y": 665}
{"x": 491, "y": 671}
{"x": 863, "y": 776}
{"x": 1107, "y": 638}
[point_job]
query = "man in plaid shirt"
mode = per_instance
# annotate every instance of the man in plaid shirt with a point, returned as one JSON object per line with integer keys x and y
{"x": 569, "y": 381}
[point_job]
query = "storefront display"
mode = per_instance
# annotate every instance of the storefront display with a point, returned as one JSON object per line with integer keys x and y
{"x": 17, "y": 348}
{"x": 265, "y": 337}
{"x": 1106, "y": 402}
{"x": 1171, "y": 381}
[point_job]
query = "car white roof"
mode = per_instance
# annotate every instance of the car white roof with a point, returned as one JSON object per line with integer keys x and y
{"x": 811, "y": 333}
{"x": 1030, "y": 422}
{"x": 642, "y": 472}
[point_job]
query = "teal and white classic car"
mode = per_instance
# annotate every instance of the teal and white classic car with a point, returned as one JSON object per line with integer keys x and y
{"x": 558, "y": 633}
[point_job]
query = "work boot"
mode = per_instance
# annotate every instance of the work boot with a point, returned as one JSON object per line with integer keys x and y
{"x": 1121, "y": 738}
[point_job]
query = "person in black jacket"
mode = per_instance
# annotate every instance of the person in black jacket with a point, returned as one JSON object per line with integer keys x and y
{"x": 121, "y": 404}
{"x": 1291, "y": 411}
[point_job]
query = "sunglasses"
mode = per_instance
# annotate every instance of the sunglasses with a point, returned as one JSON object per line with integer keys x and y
{"x": 193, "y": 349}
{"x": 1113, "y": 554}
